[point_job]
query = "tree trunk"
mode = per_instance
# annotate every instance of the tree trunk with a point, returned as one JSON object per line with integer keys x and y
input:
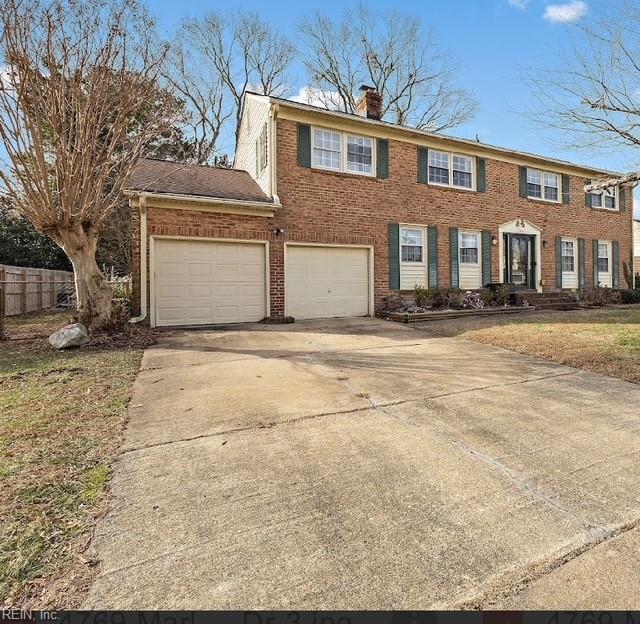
{"x": 94, "y": 294}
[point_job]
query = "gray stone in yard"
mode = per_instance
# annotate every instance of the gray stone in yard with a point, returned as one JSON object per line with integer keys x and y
{"x": 74, "y": 335}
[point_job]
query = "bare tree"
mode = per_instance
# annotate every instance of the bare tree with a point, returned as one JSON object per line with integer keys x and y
{"x": 393, "y": 53}
{"x": 198, "y": 83}
{"x": 590, "y": 93}
{"x": 243, "y": 53}
{"x": 77, "y": 107}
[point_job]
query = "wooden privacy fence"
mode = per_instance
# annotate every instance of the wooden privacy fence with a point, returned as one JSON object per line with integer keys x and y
{"x": 28, "y": 290}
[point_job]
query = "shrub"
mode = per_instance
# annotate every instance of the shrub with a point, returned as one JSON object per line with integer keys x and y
{"x": 488, "y": 296}
{"x": 472, "y": 300}
{"x": 421, "y": 296}
{"x": 630, "y": 296}
{"x": 599, "y": 296}
{"x": 502, "y": 295}
{"x": 453, "y": 298}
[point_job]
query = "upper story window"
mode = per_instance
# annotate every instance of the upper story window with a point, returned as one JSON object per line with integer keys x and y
{"x": 261, "y": 150}
{"x": 568, "y": 256}
{"x": 411, "y": 244}
{"x": 605, "y": 198}
{"x": 359, "y": 154}
{"x": 543, "y": 185}
{"x": 340, "y": 151}
{"x": 450, "y": 169}
{"x": 469, "y": 244}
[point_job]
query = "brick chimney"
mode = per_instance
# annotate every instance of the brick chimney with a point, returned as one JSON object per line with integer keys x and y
{"x": 370, "y": 103}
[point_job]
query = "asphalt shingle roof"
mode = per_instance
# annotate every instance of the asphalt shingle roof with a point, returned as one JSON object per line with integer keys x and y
{"x": 164, "y": 176}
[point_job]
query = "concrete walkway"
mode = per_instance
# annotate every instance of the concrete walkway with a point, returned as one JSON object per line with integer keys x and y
{"x": 352, "y": 464}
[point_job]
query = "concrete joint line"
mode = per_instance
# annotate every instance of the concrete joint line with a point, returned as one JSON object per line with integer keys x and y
{"x": 507, "y": 587}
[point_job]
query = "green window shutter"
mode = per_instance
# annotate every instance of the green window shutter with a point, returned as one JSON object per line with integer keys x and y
{"x": 382, "y": 159}
{"x": 304, "y": 145}
{"x": 394, "y": 256}
{"x": 453, "y": 245}
{"x": 582, "y": 264}
{"x": 566, "y": 189}
{"x": 595, "y": 262}
{"x": 559, "y": 261}
{"x": 432, "y": 250}
{"x": 616, "y": 263}
{"x": 423, "y": 165}
{"x": 486, "y": 257}
{"x": 481, "y": 174}
{"x": 587, "y": 197}
{"x": 622, "y": 198}
{"x": 523, "y": 181}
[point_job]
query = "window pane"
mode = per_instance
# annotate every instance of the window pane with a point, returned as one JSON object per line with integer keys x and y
{"x": 568, "y": 261}
{"x": 596, "y": 199}
{"x": 461, "y": 178}
{"x": 603, "y": 265}
{"x": 409, "y": 236}
{"x": 550, "y": 186}
{"x": 603, "y": 250}
{"x": 411, "y": 253}
{"x": 326, "y": 149}
{"x": 534, "y": 176}
{"x": 610, "y": 199}
{"x": 359, "y": 154}
{"x": 468, "y": 248}
{"x": 534, "y": 190}
{"x": 438, "y": 167}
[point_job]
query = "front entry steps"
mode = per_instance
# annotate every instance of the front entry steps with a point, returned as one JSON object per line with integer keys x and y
{"x": 547, "y": 300}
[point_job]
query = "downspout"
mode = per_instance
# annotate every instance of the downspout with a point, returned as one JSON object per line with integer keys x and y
{"x": 142, "y": 204}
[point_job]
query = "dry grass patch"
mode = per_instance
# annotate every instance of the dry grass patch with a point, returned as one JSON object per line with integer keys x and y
{"x": 605, "y": 341}
{"x": 61, "y": 419}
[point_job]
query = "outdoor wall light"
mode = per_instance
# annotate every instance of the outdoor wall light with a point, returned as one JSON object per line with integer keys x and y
{"x": 494, "y": 240}
{"x": 278, "y": 231}
{"x": 544, "y": 243}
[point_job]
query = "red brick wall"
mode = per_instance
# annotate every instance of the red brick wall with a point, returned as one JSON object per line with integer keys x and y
{"x": 321, "y": 206}
{"x": 329, "y": 207}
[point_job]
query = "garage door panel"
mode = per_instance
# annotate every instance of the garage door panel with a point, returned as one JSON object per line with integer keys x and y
{"x": 208, "y": 282}
{"x": 326, "y": 281}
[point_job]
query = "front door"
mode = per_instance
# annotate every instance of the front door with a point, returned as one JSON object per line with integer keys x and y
{"x": 519, "y": 260}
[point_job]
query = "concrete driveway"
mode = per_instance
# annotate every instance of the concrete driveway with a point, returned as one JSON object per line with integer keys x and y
{"x": 352, "y": 464}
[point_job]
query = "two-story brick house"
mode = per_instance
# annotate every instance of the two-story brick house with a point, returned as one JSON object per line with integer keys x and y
{"x": 326, "y": 214}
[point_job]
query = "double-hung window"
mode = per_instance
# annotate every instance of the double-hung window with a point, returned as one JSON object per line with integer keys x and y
{"x": 450, "y": 169}
{"x": 327, "y": 149}
{"x": 605, "y": 198}
{"x": 543, "y": 185}
{"x": 359, "y": 154}
{"x": 568, "y": 256}
{"x": 339, "y": 151}
{"x": 411, "y": 244}
{"x": 469, "y": 244}
{"x": 603, "y": 257}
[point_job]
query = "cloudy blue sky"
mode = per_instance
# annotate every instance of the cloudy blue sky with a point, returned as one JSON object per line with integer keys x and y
{"x": 494, "y": 41}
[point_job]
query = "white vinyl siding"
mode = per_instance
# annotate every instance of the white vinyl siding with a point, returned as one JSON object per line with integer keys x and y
{"x": 255, "y": 119}
{"x": 323, "y": 282}
{"x": 341, "y": 151}
{"x": 448, "y": 169}
{"x": 543, "y": 185}
{"x": 636, "y": 241}
{"x": 604, "y": 263}
{"x": 199, "y": 282}
{"x": 569, "y": 263}
{"x": 413, "y": 256}
{"x": 469, "y": 259}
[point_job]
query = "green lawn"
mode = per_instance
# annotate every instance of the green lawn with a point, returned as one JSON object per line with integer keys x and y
{"x": 61, "y": 419}
{"x": 601, "y": 340}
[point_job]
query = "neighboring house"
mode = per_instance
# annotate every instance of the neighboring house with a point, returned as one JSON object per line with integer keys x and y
{"x": 327, "y": 214}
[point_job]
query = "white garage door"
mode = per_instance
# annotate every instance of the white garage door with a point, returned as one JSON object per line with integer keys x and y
{"x": 326, "y": 281}
{"x": 205, "y": 282}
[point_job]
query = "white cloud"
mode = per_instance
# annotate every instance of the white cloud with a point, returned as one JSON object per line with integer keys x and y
{"x": 568, "y": 12}
{"x": 519, "y": 4}
{"x": 317, "y": 97}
